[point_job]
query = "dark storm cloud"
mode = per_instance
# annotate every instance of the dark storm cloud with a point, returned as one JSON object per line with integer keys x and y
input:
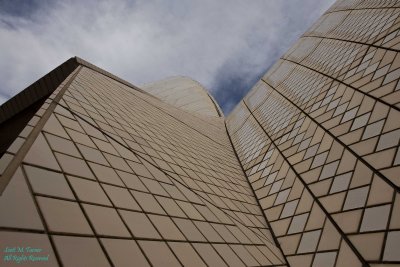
{"x": 231, "y": 83}
{"x": 19, "y": 8}
{"x": 225, "y": 45}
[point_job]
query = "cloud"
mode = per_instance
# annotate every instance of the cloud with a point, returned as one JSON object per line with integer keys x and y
{"x": 225, "y": 45}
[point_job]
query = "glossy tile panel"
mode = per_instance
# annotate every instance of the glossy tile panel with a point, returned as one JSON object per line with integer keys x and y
{"x": 113, "y": 166}
{"x": 303, "y": 172}
{"x": 318, "y": 139}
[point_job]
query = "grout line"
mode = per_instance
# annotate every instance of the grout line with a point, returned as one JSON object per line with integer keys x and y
{"x": 16, "y": 161}
{"x": 179, "y": 182}
{"x": 341, "y": 82}
{"x": 164, "y": 111}
{"x": 396, "y": 188}
{"x": 257, "y": 200}
{"x": 355, "y": 9}
{"x": 343, "y": 235}
{"x": 354, "y": 42}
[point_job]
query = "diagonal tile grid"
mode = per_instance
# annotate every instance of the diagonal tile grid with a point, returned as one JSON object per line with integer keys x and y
{"x": 136, "y": 178}
{"x": 330, "y": 121}
{"x": 317, "y": 185}
{"x": 138, "y": 173}
{"x": 302, "y": 229}
{"x": 212, "y": 190}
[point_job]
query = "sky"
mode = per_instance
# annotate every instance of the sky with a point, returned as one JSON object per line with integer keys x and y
{"x": 226, "y": 45}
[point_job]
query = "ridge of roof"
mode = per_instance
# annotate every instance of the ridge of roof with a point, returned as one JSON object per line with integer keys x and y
{"x": 38, "y": 90}
{"x": 45, "y": 85}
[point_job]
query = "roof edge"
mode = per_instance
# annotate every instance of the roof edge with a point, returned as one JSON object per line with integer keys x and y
{"x": 45, "y": 85}
{"x": 89, "y": 65}
{"x": 217, "y": 107}
{"x": 38, "y": 90}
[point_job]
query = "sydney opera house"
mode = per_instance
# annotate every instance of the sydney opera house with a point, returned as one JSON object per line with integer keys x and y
{"x": 305, "y": 171}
